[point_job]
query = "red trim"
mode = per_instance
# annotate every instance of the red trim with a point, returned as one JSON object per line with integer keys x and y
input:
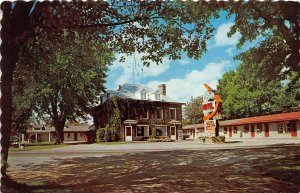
{"x": 252, "y": 120}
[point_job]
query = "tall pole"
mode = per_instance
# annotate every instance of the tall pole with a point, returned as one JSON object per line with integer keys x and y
{"x": 211, "y": 109}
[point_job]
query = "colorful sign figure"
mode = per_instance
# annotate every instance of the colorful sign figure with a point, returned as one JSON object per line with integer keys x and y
{"x": 211, "y": 109}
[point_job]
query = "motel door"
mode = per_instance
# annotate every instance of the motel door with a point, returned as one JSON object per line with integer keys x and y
{"x": 128, "y": 133}
{"x": 267, "y": 130}
{"x": 252, "y": 131}
{"x": 294, "y": 129}
{"x": 173, "y": 132}
{"x": 230, "y": 132}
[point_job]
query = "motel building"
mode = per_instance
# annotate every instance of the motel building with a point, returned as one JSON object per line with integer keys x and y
{"x": 45, "y": 133}
{"x": 283, "y": 125}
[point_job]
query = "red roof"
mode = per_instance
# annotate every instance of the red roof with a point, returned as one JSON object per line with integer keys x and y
{"x": 252, "y": 120}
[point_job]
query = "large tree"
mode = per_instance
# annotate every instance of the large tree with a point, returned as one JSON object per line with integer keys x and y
{"x": 156, "y": 28}
{"x": 61, "y": 77}
{"x": 244, "y": 95}
{"x": 192, "y": 112}
{"x": 277, "y": 25}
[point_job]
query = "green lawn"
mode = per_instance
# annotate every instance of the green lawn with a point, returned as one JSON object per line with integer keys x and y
{"x": 36, "y": 146}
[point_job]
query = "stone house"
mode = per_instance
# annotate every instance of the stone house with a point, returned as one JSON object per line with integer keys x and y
{"x": 141, "y": 111}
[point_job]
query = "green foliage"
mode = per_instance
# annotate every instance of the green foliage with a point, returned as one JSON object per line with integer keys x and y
{"x": 106, "y": 135}
{"x": 276, "y": 27}
{"x": 37, "y": 146}
{"x": 244, "y": 95}
{"x": 115, "y": 122}
{"x": 206, "y": 139}
{"x": 100, "y": 135}
{"x": 153, "y": 133}
{"x": 192, "y": 112}
{"x": 160, "y": 139}
{"x": 60, "y": 76}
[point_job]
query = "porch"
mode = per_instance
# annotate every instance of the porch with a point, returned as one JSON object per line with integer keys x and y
{"x": 143, "y": 132}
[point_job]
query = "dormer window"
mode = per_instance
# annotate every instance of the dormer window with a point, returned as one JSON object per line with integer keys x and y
{"x": 157, "y": 96}
{"x": 143, "y": 95}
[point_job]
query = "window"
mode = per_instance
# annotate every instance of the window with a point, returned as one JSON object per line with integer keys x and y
{"x": 172, "y": 130}
{"x": 259, "y": 127}
{"x": 140, "y": 131}
{"x": 144, "y": 115}
{"x": 157, "y": 96}
{"x": 246, "y": 128}
{"x": 69, "y": 135}
{"x": 288, "y": 127}
{"x": 128, "y": 131}
{"x": 225, "y": 130}
{"x": 235, "y": 129}
{"x": 281, "y": 127}
{"x": 172, "y": 113}
{"x": 143, "y": 95}
{"x": 159, "y": 114}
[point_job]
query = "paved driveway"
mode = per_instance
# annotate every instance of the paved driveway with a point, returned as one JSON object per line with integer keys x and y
{"x": 187, "y": 166}
{"x": 25, "y": 158}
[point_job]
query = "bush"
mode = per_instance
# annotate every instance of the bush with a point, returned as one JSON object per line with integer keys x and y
{"x": 153, "y": 133}
{"x": 160, "y": 139}
{"x": 114, "y": 134}
{"x": 107, "y": 135}
{"x": 219, "y": 139}
{"x": 100, "y": 135}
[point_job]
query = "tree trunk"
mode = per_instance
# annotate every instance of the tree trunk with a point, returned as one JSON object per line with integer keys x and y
{"x": 10, "y": 48}
{"x": 59, "y": 129}
{"x": 6, "y": 108}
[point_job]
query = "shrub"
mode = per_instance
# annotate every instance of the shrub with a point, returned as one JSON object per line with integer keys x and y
{"x": 107, "y": 135}
{"x": 100, "y": 135}
{"x": 160, "y": 139}
{"x": 153, "y": 134}
{"x": 213, "y": 139}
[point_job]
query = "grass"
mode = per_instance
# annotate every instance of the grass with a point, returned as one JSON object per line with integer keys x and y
{"x": 36, "y": 146}
{"x": 111, "y": 143}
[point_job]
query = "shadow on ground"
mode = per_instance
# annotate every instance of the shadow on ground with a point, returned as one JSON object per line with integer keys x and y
{"x": 268, "y": 169}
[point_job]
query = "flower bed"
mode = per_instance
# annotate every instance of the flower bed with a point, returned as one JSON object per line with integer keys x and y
{"x": 206, "y": 139}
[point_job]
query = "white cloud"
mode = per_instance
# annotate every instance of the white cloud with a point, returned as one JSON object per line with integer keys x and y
{"x": 221, "y": 37}
{"x": 192, "y": 84}
{"x": 184, "y": 62}
{"x": 134, "y": 65}
{"x": 229, "y": 51}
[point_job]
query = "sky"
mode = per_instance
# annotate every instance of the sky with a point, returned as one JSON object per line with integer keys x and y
{"x": 184, "y": 78}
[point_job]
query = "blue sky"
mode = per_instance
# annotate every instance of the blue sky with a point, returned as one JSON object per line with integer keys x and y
{"x": 185, "y": 77}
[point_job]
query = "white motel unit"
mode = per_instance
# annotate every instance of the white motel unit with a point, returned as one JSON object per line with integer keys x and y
{"x": 283, "y": 125}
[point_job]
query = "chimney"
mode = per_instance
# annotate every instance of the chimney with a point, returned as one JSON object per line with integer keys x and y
{"x": 162, "y": 89}
{"x": 119, "y": 87}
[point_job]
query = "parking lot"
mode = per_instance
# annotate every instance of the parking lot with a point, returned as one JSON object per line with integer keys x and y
{"x": 187, "y": 166}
